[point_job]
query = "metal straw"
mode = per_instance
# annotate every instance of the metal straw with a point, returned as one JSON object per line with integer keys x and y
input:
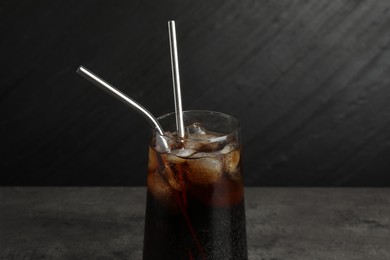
{"x": 125, "y": 99}
{"x": 176, "y": 78}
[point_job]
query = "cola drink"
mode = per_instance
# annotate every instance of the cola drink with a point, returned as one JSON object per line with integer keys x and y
{"x": 195, "y": 196}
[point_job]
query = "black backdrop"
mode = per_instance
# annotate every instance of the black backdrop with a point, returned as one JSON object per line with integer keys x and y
{"x": 309, "y": 81}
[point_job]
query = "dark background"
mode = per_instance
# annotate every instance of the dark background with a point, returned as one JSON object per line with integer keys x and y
{"x": 309, "y": 81}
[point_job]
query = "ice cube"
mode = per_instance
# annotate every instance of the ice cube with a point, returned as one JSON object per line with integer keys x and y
{"x": 204, "y": 171}
{"x": 228, "y": 148}
{"x": 160, "y": 189}
{"x": 192, "y": 145}
{"x": 158, "y": 186}
{"x": 197, "y": 132}
{"x": 196, "y": 128}
{"x": 176, "y": 156}
{"x": 200, "y": 139}
{"x": 183, "y": 153}
{"x": 231, "y": 161}
{"x": 174, "y": 177}
{"x": 201, "y": 155}
{"x": 203, "y": 143}
{"x": 153, "y": 160}
{"x": 231, "y": 165}
{"x": 170, "y": 158}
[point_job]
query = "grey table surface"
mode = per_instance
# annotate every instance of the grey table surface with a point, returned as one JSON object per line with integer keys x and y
{"x": 108, "y": 222}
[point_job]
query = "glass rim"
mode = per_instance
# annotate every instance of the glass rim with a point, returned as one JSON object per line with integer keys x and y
{"x": 221, "y": 136}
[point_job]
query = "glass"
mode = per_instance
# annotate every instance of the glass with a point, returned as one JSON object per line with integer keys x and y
{"x": 195, "y": 195}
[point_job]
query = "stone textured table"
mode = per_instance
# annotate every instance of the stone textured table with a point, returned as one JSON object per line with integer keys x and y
{"x": 107, "y": 223}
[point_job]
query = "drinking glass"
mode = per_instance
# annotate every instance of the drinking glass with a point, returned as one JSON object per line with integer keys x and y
{"x": 195, "y": 195}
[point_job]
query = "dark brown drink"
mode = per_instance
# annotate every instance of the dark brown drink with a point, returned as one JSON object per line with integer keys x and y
{"x": 195, "y": 200}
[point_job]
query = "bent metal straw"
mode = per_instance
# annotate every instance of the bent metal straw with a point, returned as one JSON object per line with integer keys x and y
{"x": 125, "y": 99}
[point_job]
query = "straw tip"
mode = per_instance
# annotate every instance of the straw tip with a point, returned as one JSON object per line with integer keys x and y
{"x": 79, "y": 69}
{"x": 171, "y": 22}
